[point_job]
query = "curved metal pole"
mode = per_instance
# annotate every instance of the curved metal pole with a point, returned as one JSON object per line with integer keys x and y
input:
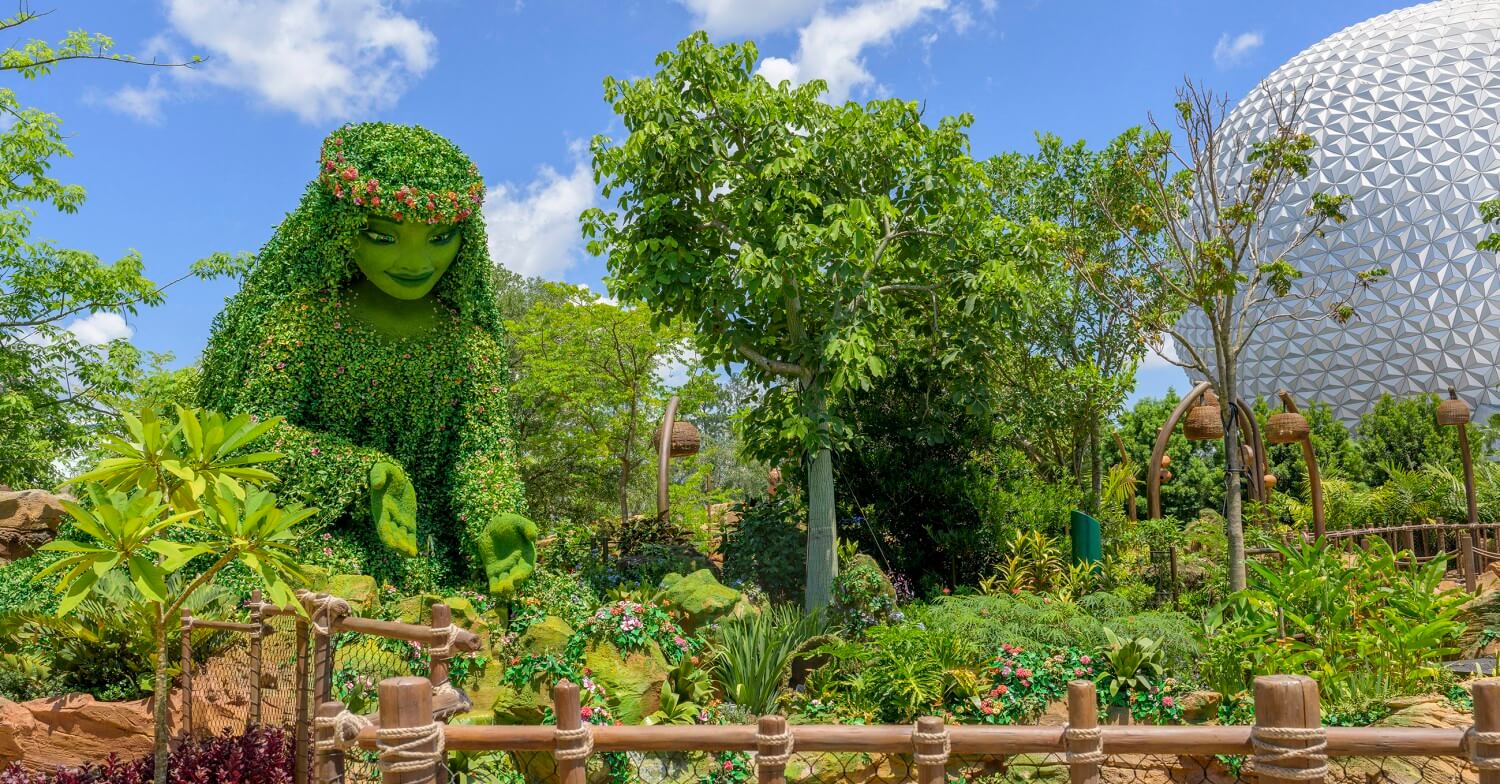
{"x": 1153, "y": 469}
{"x": 1314, "y": 477}
{"x": 664, "y": 456}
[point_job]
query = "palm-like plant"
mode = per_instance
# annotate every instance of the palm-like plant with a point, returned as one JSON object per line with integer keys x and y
{"x": 1134, "y": 665}
{"x": 195, "y": 475}
{"x": 753, "y": 654}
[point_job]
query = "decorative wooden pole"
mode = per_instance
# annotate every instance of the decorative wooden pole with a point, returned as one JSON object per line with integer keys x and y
{"x": 1409, "y": 544}
{"x": 1083, "y": 737}
{"x": 574, "y": 741}
{"x": 1484, "y": 744}
{"x": 1309, "y": 456}
{"x": 187, "y": 674}
{"x": 257, "y": 617}
{"x": 930, "y": 744}
{"x": 773, "y": 749}
{"x": 1466, "y": 561}
{"x": 1288, "y": 735}
{"x": 300, "y": 723}
{"x": 328, "y": 760}
{"x": 1455, "y": 413}
{"x": 438, "y": 668}
{"x": 1163, "y": 435}
{"x": 405, "y": 710}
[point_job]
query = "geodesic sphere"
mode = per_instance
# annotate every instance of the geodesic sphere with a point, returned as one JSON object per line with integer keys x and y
{"x": 1405, "y": 108}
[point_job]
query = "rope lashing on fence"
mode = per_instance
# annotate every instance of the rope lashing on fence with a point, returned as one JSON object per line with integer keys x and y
{"x": 409, "y": 752}
{"x": 327, "y": 610}
{"x": 1271, "y": 750}
{"x": 919, "y": 737}
{"x": 1094, "y": 755}
{"x": 780, "y": 758}
{"x": 450, "y": 636}
{"x": 1472, "y": 739}
{"x": 570, "y": 752}
{"x": 346, "y": 728}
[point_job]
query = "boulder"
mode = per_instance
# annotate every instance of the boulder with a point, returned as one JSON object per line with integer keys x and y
{"x": 699, "y": 598}
{"x": 359, "y": 590}
{"x": 1422, "y": 711}
{"x": 416, "y": 609}
{"x": 549, "y": 635}
{"x": 16, "y": 729}
{"x": 1480, "y": 614}
{"x": 1200, "y": 707}
{"x": 28, "y": 520}
{"x": 74, "y": 729}
{"x": 633, "y": 681}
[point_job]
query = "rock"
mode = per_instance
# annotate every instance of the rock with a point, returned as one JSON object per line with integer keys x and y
{"x": 28, "y": 520}
{"x": 74, "y": 729}
{"x": 1200, "y": 707}
{"x": 359, "y": 590}
{"x": 16, "y": 728}
{"x": 549, "y": 635}
{"x": 1480, "y": 614}
{"x": 633, "y": 681}
{"x": 1036, "y": 767}
{"x": 416, "y": 609}
{"x": 1421, "y": 711}
{"x": 699, "y": 598}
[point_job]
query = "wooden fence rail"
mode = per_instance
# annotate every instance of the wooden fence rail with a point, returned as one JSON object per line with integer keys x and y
{"x": 1287, "y": 743}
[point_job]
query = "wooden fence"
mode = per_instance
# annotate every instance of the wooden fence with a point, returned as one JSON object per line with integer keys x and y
{"x": 314, "y": 625}
{"x": 1286, "y": 744}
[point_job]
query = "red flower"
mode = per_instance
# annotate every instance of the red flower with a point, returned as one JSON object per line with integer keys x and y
{"x": 371, "y": 184}
{"x": 350, "y": 173}
{"x": 375, "y": 201}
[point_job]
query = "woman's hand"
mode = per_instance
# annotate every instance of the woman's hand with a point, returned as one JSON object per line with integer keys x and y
{"x": 393, "y": 506}
{"x": 507, "y": 550}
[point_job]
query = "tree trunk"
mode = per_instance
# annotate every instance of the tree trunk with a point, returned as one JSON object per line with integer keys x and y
{"x": 625, "y": 458}
{"x": 161, "y": 702}
{"x": 1096, "y": 467}
{"x": 822, "y": 533}
{"x": 1234, "y": 525}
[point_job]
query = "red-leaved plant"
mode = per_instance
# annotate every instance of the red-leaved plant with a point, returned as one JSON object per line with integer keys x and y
{"x": 263, "y": 755}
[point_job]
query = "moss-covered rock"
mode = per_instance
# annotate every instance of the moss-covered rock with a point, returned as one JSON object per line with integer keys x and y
{"x": 699, "y": 598}
{"x": 358, "y": 589}
{"x": 633, "y": 681}
{"x": 549, "y": 635}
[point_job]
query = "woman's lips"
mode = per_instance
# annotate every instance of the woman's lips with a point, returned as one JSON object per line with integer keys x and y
{"x": 410, "y": 280}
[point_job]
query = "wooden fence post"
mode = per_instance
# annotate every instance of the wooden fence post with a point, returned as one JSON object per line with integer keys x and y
{"x": 574, "y": 741}
{"x": 328, "y": 760}
{"x": 1083, "y": 737}
{"x": 773, "y": 749}
{"x": 1409, "y": 544}
{"x": 1288, "y": 733}
{"x": 1466, "y": 561}
{"x": 1484, "y": 752}
{"x": 257, "y": 617}
{"x": 931, "y": 746}
{"x": 187, "y": 674}
{"x": 300, "y": 722}
{"x": 438, "y": 667}
{"x": 406, "y": 706}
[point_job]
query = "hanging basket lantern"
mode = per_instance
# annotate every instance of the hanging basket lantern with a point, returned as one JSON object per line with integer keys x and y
{"x": 1203, "y": 422}
{"x": 685, "y": 439}
{"x": 1166, "y": 460}
{"x": 1287, "y": 428}
{"x": 1453, "y": 412}
{"x": 1270, "y": 481}
{"x": 1166, "y": 476}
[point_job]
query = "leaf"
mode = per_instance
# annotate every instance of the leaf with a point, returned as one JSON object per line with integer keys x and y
{"x": 148, "y": 578}
{"x": 76, "y": 592}
{"x": 176, "y": 555}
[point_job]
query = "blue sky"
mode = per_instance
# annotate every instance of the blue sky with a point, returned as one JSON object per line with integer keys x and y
{"x": 181, "y": 163}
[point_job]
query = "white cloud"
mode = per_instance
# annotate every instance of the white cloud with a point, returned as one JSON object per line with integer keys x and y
{"x": 319, "y": 59}
{"x": 750, "y": 17}
{"x": 1160, "y": 356}
{"x": 142, "y": 103}
{"x": 534, "y": 228}
{"x": 1234, "y": 50}
{"x": 831, "y": 45}
{"x": 99, "y": 328}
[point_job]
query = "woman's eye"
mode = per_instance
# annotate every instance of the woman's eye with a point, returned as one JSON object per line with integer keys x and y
{"x": 379, "y": 238}
{"x": 444, "y": 238}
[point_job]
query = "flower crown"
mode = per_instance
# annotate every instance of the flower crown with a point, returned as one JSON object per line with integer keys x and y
{"x": 399, "y": 202}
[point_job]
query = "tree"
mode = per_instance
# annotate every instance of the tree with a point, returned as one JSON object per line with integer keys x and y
{"x": 588, "y": 388}
{"x": 784, "y": 232}
{"x": 175, "y": 494}
{"x": 52, "y": 385}
{"x": 1070, "y": 356}
{"x": 1214, "y": 190}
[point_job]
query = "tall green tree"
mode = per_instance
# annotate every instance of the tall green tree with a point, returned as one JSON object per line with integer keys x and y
{"x": 1071, "y": 354}
{"x": 784, "y": 232}
{"x": 1215, "y": 189}
{"x": 589, "y": 386}
{"x": 54, "y": 388}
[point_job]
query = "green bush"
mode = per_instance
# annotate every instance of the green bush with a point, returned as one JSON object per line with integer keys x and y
{"x": 768, "y": 548}
{"x": 753, "y": 655}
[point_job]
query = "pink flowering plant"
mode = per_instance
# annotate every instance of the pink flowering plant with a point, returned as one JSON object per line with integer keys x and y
{"x": 632, "y": 626}
{"x": 1022, "y": 682}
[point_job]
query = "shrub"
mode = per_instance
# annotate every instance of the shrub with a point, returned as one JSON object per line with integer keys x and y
{"x": 768, "y": 547}
{"x": 753, "y": 655}
{"x": 863, "y": 596}
{"x": 263, "y": 755}
{"x": 897, "y": 674}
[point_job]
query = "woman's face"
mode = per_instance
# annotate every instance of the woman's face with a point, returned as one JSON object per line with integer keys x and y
{"x": 405, "y": 260}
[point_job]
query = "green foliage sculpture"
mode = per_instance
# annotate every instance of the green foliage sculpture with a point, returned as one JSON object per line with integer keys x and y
{"x": 369, "y": 324}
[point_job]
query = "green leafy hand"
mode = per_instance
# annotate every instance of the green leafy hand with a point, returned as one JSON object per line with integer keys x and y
{"x": 507, "y": 547}
{"x": 393, "y": 506}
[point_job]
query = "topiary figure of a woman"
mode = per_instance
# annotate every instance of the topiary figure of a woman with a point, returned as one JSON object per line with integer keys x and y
{"x": 369, "y": 322}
